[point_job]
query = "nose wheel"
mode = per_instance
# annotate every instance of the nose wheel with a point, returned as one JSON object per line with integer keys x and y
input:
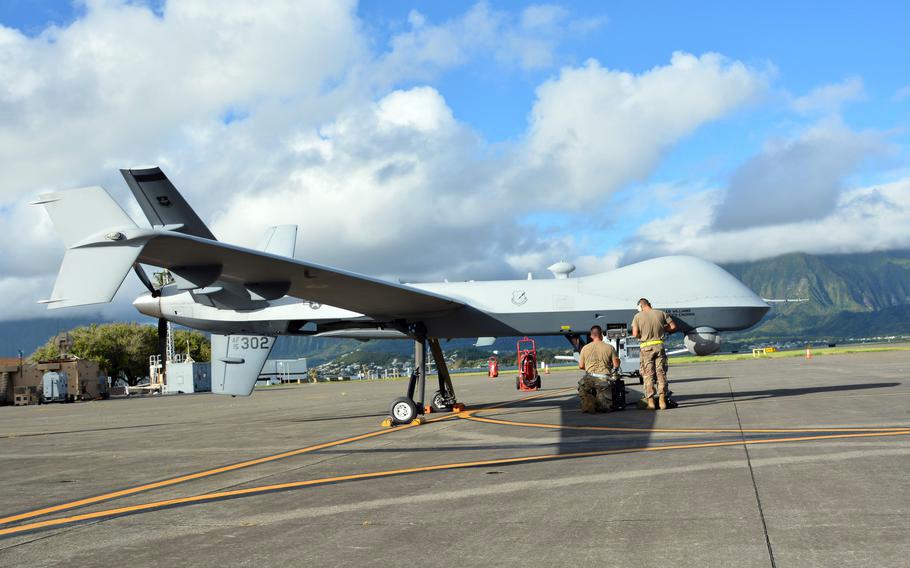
{"x": 403, "y": 410}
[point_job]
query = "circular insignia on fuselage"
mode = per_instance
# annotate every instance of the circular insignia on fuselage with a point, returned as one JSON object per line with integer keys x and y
{"x": 519, "y": 297}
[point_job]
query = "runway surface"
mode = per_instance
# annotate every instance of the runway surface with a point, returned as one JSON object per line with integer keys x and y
{"x": 782, "y": 462}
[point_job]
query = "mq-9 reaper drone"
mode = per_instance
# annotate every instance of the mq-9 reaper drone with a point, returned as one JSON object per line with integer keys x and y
{"x": 247, "y": 297}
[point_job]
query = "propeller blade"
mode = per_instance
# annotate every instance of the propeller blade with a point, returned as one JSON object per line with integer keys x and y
{"x": 144, "y": 278}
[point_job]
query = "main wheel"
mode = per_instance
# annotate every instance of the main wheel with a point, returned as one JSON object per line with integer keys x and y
{"x": 439, "y": 403}
{"x": 403, "y": 410}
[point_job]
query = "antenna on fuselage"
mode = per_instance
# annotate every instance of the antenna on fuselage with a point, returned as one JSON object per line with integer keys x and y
{"x": 561, "y": 269}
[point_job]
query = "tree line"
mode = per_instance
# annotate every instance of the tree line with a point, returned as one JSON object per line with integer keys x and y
{"x": 124, "y": 347}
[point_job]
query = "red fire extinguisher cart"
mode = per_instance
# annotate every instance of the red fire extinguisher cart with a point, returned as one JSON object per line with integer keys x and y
{"x": 493, "y": 365}
{"x": 528, "y": 378}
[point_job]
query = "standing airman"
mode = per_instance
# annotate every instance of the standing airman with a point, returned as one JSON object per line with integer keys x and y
{"x": 650, "y": 326}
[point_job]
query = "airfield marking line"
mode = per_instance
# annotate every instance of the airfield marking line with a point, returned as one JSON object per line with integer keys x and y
{"x": 396, "y": 472}
{"x": 192, "y": 476}
{"x": 232, "y": 467}
{"x": 471, "y": 415}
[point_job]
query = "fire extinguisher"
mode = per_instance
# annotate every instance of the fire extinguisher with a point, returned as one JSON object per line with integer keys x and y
{"x": 493, "y": 367}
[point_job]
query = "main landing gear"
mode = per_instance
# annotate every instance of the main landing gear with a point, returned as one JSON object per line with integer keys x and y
{"x": 407, "y": 408}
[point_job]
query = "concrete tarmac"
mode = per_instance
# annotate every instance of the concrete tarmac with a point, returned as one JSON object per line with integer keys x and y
{"x": 774, "y": 462}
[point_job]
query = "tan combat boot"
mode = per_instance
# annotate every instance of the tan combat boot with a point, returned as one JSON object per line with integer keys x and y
{"x": 651, "y": 403}
{"x": 662, "y": 402}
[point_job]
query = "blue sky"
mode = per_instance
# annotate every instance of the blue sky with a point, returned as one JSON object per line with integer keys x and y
{"x": 808, "y": 43}
{"x": 796, "y": 138}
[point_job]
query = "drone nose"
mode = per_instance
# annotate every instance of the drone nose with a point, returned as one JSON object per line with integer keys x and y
{"x": 148, "y": 305}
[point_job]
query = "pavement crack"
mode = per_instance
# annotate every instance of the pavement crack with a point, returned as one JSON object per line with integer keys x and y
{"x": 282, "y": 472}
{"x": 56, "y": 533}
{"x": 761, "y": 512}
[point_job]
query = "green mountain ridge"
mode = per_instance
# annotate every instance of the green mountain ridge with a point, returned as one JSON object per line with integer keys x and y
{"x": 849, "y": 295}
{"x": 849, "y": 282}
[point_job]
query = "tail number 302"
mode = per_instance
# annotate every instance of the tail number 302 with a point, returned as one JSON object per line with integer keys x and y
{"x": 251, "y": 342}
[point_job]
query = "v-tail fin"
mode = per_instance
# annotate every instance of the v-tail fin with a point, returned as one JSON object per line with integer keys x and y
{"x": 97, "y": 259}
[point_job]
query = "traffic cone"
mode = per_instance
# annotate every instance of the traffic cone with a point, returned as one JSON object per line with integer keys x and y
{"x": 808, "y": 351}
{"x": 546, "y": 368}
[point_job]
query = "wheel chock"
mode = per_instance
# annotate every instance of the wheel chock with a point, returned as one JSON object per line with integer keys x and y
{"x": 458, "y": 407}
{"x": 427, "y": 409}
{"x": 387, "y": 423}
{"x": 417, "y": 421}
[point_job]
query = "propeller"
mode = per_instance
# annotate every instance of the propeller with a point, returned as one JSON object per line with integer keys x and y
{"x": 162, "y": 323}
{"x": 146, "y": 281}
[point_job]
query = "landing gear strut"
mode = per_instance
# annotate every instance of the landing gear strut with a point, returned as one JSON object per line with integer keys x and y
{"x": 443, "y": 399}
{"x": 577, "y": 342}
{"x": 406, "y": 408}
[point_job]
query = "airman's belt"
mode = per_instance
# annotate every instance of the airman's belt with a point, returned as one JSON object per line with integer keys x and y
{"x": 650, "y": 343}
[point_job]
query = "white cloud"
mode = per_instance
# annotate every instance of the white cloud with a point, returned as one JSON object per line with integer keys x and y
{"x": 543, "y": 16}
{"x": 416, "y": 19}
{"x": 18, "y": 295}
{"x": 594, "y": 130}
{"x": 864, "y": 219}
{"x": 528, "y": 41}
{"x": 901, "y": 94}
{"x": 795, "y": 180}
{"x": 421, "y": 109}
{"x": 830, "y": 98}
{"x": 592, "y": 264}
{"x": 121, "y": 84}
{"x": 29, "y": 246}
{"x": 396, "y": 188}
{"x": 434, "y": 199}
{"x": 549, "y": 17}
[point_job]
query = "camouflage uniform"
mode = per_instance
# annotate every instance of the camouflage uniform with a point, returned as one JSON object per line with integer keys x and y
{"x": 654, "y": 360}
{"x": 650, "y": 325}
{"x": 596, "y": 394}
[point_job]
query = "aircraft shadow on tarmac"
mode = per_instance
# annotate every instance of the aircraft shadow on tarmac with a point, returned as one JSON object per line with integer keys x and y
{"x": 539, "y": 403}
{"x": 698, "y": 379}
{"x": 332, "y": 417}
{"x": 631, "y": 417}
{"x": 724, "y": 397}
{"x": 564, "y": 401}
